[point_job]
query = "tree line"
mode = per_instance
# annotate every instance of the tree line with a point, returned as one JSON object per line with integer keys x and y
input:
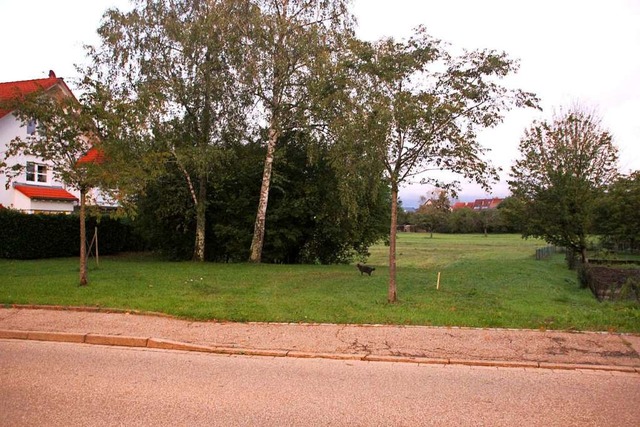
{"x": 566, "y": 189}
{"x": 433, "y": 216}
{"x": 612, "y": 223}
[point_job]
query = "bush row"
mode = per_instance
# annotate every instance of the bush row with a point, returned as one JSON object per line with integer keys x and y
{"x": 25, "y": 236}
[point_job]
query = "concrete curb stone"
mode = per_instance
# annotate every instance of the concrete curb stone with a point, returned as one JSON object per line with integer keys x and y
{"x": 56, "y": 336}
{"x": 116, "y": 340}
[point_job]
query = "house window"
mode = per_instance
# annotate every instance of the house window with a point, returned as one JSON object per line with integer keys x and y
{"x": 36, "y": 172}
{"x": 31, "y": 127}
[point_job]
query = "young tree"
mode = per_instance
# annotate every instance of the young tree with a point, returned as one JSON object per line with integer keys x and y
{"x": 421, "y": 108}
{"x": 65, "y": 132}
{"x": 488, "y": 219}
{"x": 565, "y": 165}
{"x": 176, "y": 64}
{"x": 434, "y": 211}
{"x": 287, "y": 37}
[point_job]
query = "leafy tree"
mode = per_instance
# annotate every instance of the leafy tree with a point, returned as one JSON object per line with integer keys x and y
{"x": 166, "y": 215}
{"x": 170, "y": 71}
{"x": 489, "y": 220}
{"x": 420, "y": 108}
{"x": 287, "y": 38}
{"x": 510, "y": 213}
{"x": 309, "y": 215}
{"x": 432, "y": 214}
{"x": 464, "y": 220}
{"x": 308, "y": 222}
{"x": 65, "y": 132}
{"x": 564, "y": 167}
{"x": 618, "y": 212}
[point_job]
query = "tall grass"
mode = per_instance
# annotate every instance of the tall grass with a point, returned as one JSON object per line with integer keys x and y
{"x": 490, "y": 281}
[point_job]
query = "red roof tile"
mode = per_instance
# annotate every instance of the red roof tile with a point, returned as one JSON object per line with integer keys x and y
{"x": 11, "y": 90}
{"x": 479, "y": 204}
{"x": 94, "y": 155}
{"x": 45, "y": 193}
{"x": 460, "y": 205}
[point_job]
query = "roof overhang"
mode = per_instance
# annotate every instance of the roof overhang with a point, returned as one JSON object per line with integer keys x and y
{"x": 35, "y": 192}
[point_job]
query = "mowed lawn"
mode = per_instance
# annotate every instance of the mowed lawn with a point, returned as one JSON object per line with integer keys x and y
{"x": 490, "y": 281}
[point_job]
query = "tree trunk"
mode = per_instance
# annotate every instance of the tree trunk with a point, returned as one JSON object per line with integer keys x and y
{"x": 201, "y": 219}
{"x": 583, "y": 255}
{"x": 258, "y": 231}
{"x": 392, "y": 295}
{"x": 83, "y": 239}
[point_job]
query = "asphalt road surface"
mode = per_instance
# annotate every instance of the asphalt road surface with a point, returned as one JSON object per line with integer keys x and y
{"x": 44, "y": 383}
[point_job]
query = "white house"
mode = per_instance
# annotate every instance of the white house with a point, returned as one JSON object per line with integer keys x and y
{"x": 35, "y": 190}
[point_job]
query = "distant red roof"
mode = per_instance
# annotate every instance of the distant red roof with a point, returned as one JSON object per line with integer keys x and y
{"x": 11, "y": 90}
{"x": 479, "y": 204}
{"x": 460, "y": 205}
{"x": 487, "y": 203}
{"x": 94, "y": 155}
{"x": 45, "y": 193}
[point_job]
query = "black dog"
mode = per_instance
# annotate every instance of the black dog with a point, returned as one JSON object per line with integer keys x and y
{"x": 365, "y": 269}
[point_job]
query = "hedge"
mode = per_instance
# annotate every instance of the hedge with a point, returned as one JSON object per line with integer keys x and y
{"x": 26, "y": 236}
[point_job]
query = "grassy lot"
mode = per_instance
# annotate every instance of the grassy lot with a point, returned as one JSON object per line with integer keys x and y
{"x": 490, "y": 281}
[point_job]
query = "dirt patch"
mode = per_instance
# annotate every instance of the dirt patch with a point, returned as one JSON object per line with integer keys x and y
{"x": 608, "y": 283}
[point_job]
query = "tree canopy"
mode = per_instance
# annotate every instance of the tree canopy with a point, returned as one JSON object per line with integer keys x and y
{"x": 177, "y": 66}
{"x": 618, "y": 213}
{"x": 434, "y": 211}
{"x": 565, "y": 165}
{"x": 288, "y": 39}
{"x": 309, "y": 223}
{"x": 420, "y": 108}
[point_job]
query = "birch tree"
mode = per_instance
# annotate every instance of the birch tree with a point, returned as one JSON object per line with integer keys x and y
{"x": 287, "y": 37}
{"x": 177, "y": 64}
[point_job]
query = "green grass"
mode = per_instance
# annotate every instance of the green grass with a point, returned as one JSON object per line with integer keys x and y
{"x": 490, "y": 281}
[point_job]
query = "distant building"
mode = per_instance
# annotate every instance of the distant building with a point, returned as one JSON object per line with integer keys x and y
{"x": 478, "y": 204}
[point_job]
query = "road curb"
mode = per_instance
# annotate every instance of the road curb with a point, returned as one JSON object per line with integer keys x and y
{"x": 164, "y": 344}
{"x": 56, "y": 336}
{"x": 116, "y": 340}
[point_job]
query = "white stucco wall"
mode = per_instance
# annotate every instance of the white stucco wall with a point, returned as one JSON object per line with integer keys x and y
{"x": 11, "y": 128}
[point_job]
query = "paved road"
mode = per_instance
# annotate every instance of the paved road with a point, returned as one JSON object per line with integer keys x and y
{"x": 45, "y": 383}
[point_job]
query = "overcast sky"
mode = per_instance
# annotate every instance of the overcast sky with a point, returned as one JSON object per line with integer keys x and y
{"x": 585, "y": 51}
